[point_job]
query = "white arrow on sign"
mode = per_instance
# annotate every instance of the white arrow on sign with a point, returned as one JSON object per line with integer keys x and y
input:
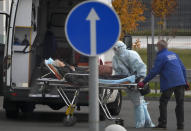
{"x": 93, "y": 17}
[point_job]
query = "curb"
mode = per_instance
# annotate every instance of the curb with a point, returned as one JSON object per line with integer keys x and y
{"x": 186, "y": 99}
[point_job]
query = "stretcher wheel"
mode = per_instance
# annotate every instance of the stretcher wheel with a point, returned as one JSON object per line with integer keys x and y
{"x": 119, "y": 122}
{"x": 69, "y": 121}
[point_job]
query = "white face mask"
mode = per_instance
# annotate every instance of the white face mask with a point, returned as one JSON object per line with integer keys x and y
{"x": 156, "y": 49}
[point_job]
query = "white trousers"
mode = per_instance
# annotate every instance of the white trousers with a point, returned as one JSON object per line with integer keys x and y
{"x": 142, "y": 116}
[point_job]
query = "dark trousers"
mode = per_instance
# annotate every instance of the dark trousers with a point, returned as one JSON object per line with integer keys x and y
{"x": 165, "y": 96}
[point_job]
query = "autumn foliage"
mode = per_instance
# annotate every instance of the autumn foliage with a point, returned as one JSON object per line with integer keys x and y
{"x": 163, "y": 8}
{"x": 130, "y": 13}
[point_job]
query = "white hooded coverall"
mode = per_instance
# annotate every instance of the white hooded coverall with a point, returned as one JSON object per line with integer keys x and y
{"x": 128, "y": 62}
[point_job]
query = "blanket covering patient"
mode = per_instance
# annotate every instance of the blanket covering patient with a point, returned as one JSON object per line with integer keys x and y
{"x": 79, "y": 75}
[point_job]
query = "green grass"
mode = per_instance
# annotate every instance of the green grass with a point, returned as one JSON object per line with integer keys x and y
{"x": 184, "y": 54}
{"x": 153, "y": 86}
{"x": 153, "y": 95}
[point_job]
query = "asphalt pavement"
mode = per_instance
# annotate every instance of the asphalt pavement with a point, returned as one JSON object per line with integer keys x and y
{"x": 45, "y": 119}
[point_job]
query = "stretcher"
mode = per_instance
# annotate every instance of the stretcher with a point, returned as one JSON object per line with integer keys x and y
{"x": 62, "y": 86}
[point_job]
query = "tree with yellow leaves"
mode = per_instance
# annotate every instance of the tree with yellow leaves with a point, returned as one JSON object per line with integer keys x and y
{"x": 130, "y": 13}
{"x": 162, "y": 9}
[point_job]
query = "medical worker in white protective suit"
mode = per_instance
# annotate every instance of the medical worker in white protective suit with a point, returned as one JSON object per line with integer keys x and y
{"x": 128, "y": 62}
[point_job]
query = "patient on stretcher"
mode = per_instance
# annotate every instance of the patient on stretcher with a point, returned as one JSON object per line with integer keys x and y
{"x": 79, "y": 75}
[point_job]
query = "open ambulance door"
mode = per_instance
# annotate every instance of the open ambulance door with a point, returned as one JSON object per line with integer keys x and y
{"x": 10, "y": 22}
{"x": 4, "y": 19}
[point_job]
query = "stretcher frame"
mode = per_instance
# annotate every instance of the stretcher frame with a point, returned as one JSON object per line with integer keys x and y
{"x": 62, "y": 86}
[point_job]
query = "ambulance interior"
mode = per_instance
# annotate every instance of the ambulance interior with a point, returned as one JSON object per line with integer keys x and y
{"x": 39, "y": 34}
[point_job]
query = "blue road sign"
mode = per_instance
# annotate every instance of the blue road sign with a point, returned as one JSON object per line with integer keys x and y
{"x": 92, "y": 28}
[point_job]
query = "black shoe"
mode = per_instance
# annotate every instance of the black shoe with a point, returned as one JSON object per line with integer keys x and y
{"x": 160, "y": 127}
{"x": 180, "y": 128}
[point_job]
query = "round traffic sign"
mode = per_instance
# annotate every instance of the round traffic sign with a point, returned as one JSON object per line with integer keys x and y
{"x": 92, "y": 28}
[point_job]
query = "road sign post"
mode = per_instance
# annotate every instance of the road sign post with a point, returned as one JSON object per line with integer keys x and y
{"x": 91, "y": 29}
{"x": 93, "y": 95}
{"x": 93, "y": 79}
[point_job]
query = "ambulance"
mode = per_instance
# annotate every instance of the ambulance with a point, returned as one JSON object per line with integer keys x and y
{"x": 27, "y": 23}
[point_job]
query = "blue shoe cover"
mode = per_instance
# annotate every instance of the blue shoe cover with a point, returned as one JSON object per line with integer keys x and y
{"x": 148, "y": 121}
{"x": 139, "y": 116}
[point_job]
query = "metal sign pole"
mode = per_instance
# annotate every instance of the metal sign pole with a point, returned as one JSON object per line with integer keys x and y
{"x": 93, "y": 95}
{"x": 151, "y": 46}
{"x": 153, "y": 40}
{"x": 93, "y": 79}
{"x": 92, "y": 19}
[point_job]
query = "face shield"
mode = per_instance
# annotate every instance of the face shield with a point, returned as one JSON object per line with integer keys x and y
{"x": 119, "y": 47}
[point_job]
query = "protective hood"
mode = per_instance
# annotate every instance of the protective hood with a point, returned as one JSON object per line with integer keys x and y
{"x": 119, "y": 48}
{"x": 127, "y": 62}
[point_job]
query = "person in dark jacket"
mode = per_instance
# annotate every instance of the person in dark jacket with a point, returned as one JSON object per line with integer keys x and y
{"x": 172, "y": 79}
